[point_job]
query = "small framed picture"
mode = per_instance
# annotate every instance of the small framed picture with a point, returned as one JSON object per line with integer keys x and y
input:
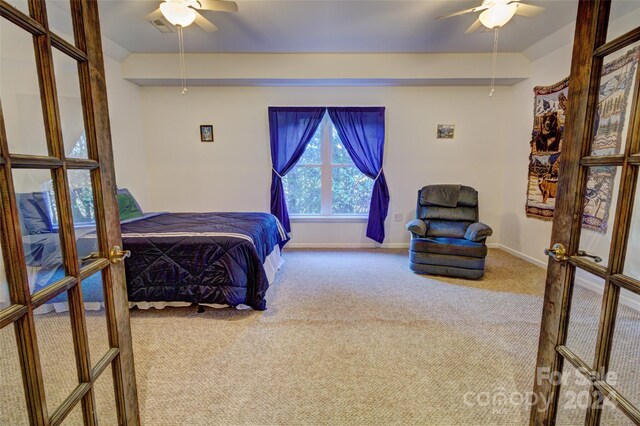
{"x": 446, "y": 131}
{"x": 206, "y": 133}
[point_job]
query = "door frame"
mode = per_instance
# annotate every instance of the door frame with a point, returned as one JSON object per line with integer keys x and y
{"x": 589, "y": 50}
{"x": 87, "y": 51}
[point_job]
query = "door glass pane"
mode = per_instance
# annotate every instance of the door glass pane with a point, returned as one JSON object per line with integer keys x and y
{"x": 20, "y": 92}
{"x": 21, "y": 5}
{"x": 60, "y": 21}
{"x": 74, "y": 418}
{"x": 624, "y": 365}
{"x": 57, "y": 357}
{"x": 70, "y": 104}
{"x": 106, "y": 399}
{"x": 13, "y": 405}
{"x": 95, "y": 316}
{"x": 614, "y": 107}
{"x": 624, "y": 17}
{"x": 5, "y": 300}
{"x": 40, "y": 236}
{"x": 586, "y": 302}
{"x": 632, "y": 260}
{"x": 84, "y": 215}
{"x": 600, "y": 202}
{"x": 612, "y": 416}
{"x": 574, "y": 397}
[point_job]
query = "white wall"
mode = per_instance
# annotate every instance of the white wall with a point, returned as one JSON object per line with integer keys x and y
{"x": 234, "y": 172}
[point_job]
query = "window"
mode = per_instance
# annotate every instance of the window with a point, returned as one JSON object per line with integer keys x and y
{"x": 325, "y": 181}
{"x": 80, "y": 189}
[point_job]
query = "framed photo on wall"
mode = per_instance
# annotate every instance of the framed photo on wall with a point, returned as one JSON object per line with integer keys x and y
{"x": 446, "y": 131}
{"x": 206, "y": 133}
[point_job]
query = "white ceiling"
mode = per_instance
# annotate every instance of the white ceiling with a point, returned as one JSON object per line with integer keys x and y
{"x": 335, "y": 26}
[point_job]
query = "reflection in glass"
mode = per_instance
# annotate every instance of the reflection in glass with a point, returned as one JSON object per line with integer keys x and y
{"x": 584, "y": 316}
{"x": 5, "y": 300}
{"x": 632, "y": 260}
{"x": 70, "y": 105}
{"x": 83, "y": 211}
{"x": 574, "y": 397}
{"x": 617, "y": 83}
{"x": 13, "y": 405}
{"x": 624, "y": 365}
{"x": 40, "y": 236}
{"x": 601, "y": 197}
{"x": 302, "y": 189}
{"x": 57, "y": 357}
{"x": 20, "y": 92}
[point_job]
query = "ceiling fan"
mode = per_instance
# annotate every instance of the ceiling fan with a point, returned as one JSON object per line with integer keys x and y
{"x": 496, "y": 13}
{"x": 183, "y": 13}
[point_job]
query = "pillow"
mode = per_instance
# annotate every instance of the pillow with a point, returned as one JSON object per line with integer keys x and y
{"x": 126, "y": 191}
{"x": 33, "y": 213}
{"x": 128, "y": 207}
{"x": 477, "y": 232}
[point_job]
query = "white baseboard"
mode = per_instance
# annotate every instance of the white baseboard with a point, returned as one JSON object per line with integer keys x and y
{"x": 519, "y": 254}
{"x": 347, "y": 245}
{"x": 582, "y": 282}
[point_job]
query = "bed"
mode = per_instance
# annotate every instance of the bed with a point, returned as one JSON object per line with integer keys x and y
{"x": 177, "y": 259}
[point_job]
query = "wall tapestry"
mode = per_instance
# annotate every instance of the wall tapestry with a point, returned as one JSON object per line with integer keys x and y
{"x": 550, "y": 104}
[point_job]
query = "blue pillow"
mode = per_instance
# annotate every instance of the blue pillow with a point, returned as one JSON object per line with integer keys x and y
{"x": 33, "y": 213}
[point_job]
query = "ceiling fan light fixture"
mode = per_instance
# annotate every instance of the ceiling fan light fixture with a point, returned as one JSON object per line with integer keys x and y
{"x": 178, "y": 13}
{"x": 498, "y": 14}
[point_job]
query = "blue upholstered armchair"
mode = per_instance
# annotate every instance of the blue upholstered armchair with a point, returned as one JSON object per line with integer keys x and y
{"x": 447, "y": 238}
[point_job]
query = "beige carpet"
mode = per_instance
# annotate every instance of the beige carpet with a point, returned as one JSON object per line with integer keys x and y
{"x": 349, "y": 337}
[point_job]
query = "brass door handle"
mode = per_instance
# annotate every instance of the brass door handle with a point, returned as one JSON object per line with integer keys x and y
{"x": 558, "y": 252}
{"x": 118, "y": 255}
{"x": 90, "y": 256}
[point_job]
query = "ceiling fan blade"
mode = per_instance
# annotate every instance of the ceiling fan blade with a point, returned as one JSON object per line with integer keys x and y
{"x": 473, "y": 27}
{"x": 217, "y": 5}
{"x": 204, "y": 23}
{"x": 156, "y": 14}
{"x": 528, "y": 10}
{"x": 462, "y": 12}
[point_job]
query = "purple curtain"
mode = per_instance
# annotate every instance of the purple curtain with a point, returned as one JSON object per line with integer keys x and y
{"x": 361, "y": 131}
{"x": 290, "y": 130}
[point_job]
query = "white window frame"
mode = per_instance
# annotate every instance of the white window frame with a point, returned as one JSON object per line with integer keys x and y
{"x": 326, "y": 187}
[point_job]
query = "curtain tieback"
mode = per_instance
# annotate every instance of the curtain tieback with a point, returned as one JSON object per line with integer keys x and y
{"x": 276, "y": 172}
{"x": 378, "y": 175}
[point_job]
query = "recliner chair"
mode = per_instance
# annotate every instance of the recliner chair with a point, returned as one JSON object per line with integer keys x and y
{"x": 447, "y": 238}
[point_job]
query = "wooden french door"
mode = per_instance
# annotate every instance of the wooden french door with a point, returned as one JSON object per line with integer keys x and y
{"x": 55, "y": 149}
{"x": 563, "y": 358}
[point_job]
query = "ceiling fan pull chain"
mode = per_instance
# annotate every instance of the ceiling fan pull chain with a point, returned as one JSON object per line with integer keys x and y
{"x": 183, "y": 68}
{"x": 495, "y": 60}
